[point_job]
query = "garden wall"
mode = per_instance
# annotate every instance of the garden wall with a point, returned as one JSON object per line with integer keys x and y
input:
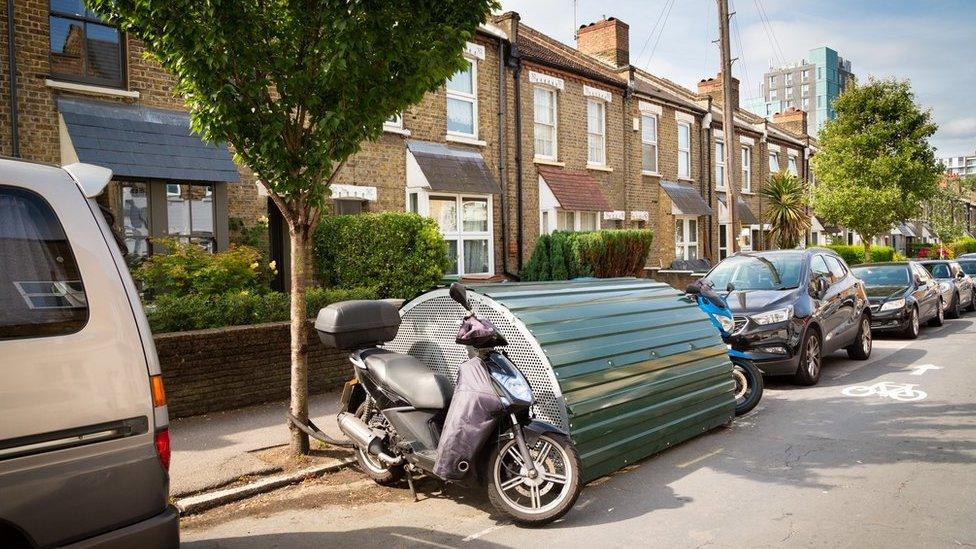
{"x": 224, "y": 368}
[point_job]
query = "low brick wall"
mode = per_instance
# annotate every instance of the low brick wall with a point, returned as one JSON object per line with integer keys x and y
{"x": 679, "y": 280}
{"x": 224, "y": 368}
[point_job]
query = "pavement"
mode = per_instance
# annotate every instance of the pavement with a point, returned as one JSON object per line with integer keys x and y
{"x": 216, "y": 449}
{"x": 857, "y": 461}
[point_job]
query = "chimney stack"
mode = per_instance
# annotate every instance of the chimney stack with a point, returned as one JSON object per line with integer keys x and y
{"x": 712, "y": 87}
{"x": 608, "y": 39}
{"x": 792, "y": 119}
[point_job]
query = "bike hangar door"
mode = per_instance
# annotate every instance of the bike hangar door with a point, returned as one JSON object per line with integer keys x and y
{"x": 628, "y": 367}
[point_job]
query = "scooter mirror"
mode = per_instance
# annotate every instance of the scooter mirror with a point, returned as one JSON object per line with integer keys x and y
{"x": 460, "y": 294}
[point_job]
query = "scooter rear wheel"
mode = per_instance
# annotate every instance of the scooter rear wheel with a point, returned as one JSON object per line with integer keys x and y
{"x": 538, "y": 501}
{"x": 371, "y": 465}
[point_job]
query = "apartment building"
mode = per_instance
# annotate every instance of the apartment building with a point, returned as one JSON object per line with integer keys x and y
{"x": 962, "y": 166}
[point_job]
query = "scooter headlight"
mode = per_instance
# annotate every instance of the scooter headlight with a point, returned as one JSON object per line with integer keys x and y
{"x": 726, "y": 323}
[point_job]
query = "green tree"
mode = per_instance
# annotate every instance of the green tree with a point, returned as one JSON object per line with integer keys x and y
{"x": 296, "y": 87}
{"x": 787, "y": 212}
{"x": 875, "y": 166}
{"x": 946, "y": 212}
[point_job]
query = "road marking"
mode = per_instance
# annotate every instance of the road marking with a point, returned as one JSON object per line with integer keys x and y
{"x": 903, "y": 392}
{"x": 922, "y": 368}
{"x": 488, "y": 530}
{"x": 700, "y": 458}
{"x": 422, "y": 541}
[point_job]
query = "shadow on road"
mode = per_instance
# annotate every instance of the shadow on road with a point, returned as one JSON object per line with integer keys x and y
{"x": 367, "y": 537}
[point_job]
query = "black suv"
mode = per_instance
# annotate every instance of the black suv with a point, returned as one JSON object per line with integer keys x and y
{"x": 791, "y": 307}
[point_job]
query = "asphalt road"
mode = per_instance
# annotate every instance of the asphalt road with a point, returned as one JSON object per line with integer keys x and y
{"x": 810, "y": 466}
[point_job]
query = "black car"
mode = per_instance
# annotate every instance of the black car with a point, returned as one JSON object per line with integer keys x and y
{"x": 903, "y": 295}
{"x": 955, "y": 284}
{"x": 791, "y": 307}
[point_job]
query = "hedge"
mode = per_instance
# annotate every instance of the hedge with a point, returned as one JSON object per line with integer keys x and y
{"x": 178, "y": 313}
{"x": 399, "y": 254}
{"x": 854, "y": 255}
{"x": 963, "y": 246}
{"x": 603, "y": 254}
{"x": 187, "y": 268}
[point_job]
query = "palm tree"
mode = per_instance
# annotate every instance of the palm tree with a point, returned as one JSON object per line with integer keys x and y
{"x": 787, "y": 213}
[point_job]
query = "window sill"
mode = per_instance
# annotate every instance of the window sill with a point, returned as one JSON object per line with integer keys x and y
{"x": 90, "y": 89}
{"x": 599, "y": 167}
{"x": 466, "y": 140}
{"x": 547, "y": 162}
{"x": 687, "y": 179}
{"x": 747, "y": 192}
{"x": 396, "y": 130}
{"x": 652, "y": 174}
{"x": 476, "y": 276}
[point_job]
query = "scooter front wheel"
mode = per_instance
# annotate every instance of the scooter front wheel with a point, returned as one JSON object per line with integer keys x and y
{"x": 540, "y": 500}
{"x": 748, "y": 386}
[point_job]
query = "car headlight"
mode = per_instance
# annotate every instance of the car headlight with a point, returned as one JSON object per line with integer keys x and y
{"x": 893, "y": 304}
{"x": 772, "y": 317}
{"x": 727, "y": 323}
{"x": 944, "y": 286}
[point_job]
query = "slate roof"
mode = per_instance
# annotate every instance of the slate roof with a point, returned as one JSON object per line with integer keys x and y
{"x": 745, "y": 215}
{"x": 535, "y": 46}
{"x": 652, "y": 90}
{"x": 453, "y": 169}
{"x": 686, "y": 198}
{"x": 575, "y": 190}
{"x": 135, "y": 141}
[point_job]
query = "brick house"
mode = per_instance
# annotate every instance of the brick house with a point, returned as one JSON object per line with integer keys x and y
{"x": 85, "y": 93}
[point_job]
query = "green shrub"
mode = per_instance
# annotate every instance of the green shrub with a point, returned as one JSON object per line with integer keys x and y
{"x": 177, "y": 313}
{"x": 604, "y": 254}
{"x": 400, "y": 254}
{"x": 189, "y": 269}
{"x": 964, "y": 246}
{"x": 854, "y": 255}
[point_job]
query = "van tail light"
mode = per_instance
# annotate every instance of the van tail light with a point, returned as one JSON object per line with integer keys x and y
{"x": 162, "y": 447}
{"x": 162, "y": 420}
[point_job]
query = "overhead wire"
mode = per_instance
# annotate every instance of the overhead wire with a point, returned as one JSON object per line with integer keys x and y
{"x": 650, "y": 35}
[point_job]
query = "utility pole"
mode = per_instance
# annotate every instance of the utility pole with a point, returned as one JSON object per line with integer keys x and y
{"x": 728, "y": 124}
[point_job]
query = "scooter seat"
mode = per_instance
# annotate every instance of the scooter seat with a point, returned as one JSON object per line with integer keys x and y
{"x": 409, "y": 378}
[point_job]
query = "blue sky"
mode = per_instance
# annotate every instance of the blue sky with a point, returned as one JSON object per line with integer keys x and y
{"x": 931, "y": 43}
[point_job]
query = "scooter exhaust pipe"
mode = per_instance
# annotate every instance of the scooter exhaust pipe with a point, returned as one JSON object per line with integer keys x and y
{"x": 364, "y": 437}
{"x": 462, "y": 466}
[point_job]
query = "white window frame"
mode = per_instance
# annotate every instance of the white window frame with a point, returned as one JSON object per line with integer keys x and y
{"x": 653, "y": 142}
{"x": 723, "y": 243}
{"x": 555, "y": 123}
{"x": 773, "y": 158}
{"x": 773, "y": 94}
{"x": 746, "y": 161}
{"x": 684, "y": 151}
{"x": 681, "y": 247}
{"x": 602, "y": 106}
{"x": 805, "y": 90}
{"x": 549, "y": 220}
{"x": 792, "y": 165}
{"x": 460, "y": 235}
{"x": 466, "y": 97}
{"x": 806, "y": 75}
{"x": 789, "y": 79}
{"x": 772, "y": 82}
{"x": 720, "y": 164}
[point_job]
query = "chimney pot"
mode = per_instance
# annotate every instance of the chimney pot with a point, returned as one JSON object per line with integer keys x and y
{"x": 607, "y": 39}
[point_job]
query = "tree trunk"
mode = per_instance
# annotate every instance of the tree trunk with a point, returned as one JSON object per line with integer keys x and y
{"x": 299, "y": 236}
{"x": 866, "y": 242}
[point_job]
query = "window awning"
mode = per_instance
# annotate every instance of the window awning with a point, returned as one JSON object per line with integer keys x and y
{"x": 135, "y": 141}
{"x": 685, "y": 199}
{"x": 441, "y": 168}
{"x": 574, "y": 190}
{"x": 746, "y": 217}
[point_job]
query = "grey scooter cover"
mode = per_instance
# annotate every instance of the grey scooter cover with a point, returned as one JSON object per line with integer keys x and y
{"x": 471, "y": 418}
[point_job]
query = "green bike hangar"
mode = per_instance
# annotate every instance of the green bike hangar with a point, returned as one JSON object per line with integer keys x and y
{"x": 627, "y": 366}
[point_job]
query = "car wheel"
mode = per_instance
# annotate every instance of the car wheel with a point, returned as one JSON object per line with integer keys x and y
{"x": 811, "y": 360}
{"x": 861, "y": 348}
{"x": 972, "y": 300}
{"x": 955, "y": 308}
{"x": 912, "y": 326}
{"x": 939, "y": 318}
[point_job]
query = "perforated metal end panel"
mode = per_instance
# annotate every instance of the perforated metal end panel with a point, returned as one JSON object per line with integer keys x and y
{"x": 430, "y": 324}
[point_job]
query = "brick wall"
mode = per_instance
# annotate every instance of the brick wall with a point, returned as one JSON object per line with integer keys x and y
{"x": 210, "y": 370}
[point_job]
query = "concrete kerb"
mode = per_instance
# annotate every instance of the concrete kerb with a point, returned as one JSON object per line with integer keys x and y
{"x": 208, "y": 500}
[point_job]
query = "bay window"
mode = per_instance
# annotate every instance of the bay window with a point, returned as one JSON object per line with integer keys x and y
{"x": 649, "y": 143}
{"x": 684, "y": 150}
{"x": 190, "y": 214}
{"x": 746, "y": 168}
{"x": 462, "y": 101}
{"x": 596, "y": 132}
{"x": 570, "y": 221}
{"x": 686, "y": 238}
{"x": 545, "y": 115}
{"x": 465, "y": 223}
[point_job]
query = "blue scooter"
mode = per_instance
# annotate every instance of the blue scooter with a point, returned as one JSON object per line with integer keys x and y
{"x": 748, "y": 379}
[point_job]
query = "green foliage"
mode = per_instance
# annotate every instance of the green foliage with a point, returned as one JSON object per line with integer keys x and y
{"x": 875, "y": 166}
{"x": 400, "y": 254}
{"x": 242, "y": 234}
{"x": 603, "y": 254}
{"x": 965, "y": 245}
{"x": 189, "y": 269}
{"x": 854, "y": 255}
{"x": 947, "y": 211}
{"x": 177, "y": 313}
{"x": 787, "y": 212}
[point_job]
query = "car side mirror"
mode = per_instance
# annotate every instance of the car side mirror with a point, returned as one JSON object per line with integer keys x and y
{"x": 460, "y": 294}
{"x": 693, "y": 289}
{"x": 820, "y": 287}
{"x": 918, "y": 281}
{"x": 960, "y": 274}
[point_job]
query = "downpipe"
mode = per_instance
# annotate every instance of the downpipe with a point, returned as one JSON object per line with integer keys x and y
{"x": 365, "y": 438}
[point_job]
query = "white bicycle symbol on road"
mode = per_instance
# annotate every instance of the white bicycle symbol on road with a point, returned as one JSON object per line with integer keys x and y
{"x": 904, "y": 392}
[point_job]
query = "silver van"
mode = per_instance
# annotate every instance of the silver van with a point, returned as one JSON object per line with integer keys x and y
{"x": 84, "y": 440}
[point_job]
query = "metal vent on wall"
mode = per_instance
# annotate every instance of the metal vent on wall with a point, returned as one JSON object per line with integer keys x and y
{"x": 427, "y": 331}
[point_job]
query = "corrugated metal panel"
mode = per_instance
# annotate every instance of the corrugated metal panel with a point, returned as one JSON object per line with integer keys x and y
{"x": 639, "y": 367}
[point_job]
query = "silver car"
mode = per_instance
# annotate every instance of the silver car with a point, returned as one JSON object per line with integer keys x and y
{"x": 956, "y": 286}
{"x": 84, "y": 439}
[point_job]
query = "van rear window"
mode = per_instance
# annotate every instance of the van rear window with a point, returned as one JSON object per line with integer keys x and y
{"x": 41, "y": 292}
